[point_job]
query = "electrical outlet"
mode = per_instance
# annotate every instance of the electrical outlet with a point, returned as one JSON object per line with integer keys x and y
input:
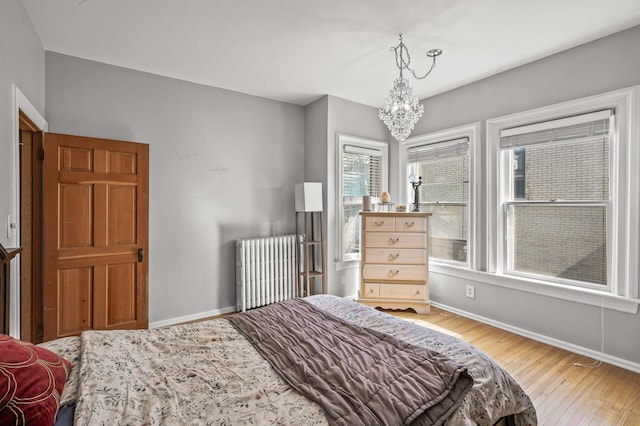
{"x": 471, "y": 291}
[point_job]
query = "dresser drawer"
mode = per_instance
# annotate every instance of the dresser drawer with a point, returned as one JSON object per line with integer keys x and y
{"x": 396, "y": 256}
{"x": 409, "y": 224}
{"x": 371, "y": 291}
{"x": 395, "y": 272}
{"x": 395, "y": 291}
{"x": 379, "y": 224}
{"x": 395, "y": 240}
{"x": 403, "y": 291}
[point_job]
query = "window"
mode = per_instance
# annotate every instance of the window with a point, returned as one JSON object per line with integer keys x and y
{"x": 445, "y": 162}
{"x": 444, "y": 192}
{"x": 557, "y": 218}
{"x": 561, "y": 200}
{"x": 363, "y": 171}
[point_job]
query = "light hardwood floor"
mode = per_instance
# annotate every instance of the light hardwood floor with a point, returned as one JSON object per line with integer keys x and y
{"x": 563, "y": 394}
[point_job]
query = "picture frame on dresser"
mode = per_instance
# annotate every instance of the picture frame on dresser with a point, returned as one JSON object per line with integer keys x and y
{"x": 394, "y": 260}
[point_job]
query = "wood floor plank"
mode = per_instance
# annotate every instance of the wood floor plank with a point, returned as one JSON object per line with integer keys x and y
{"x": 563, "y": 393}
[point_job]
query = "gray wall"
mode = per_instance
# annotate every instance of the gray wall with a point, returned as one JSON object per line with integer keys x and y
{"x": 22, "y": 64}
{"x": 323, "y": 120}
{"x": 315, "y": 143}
{"x": 606, "y": 64}
{"x": 223, "y": 166}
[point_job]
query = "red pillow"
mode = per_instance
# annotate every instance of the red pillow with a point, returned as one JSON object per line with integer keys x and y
{"x": 31, "y": 381}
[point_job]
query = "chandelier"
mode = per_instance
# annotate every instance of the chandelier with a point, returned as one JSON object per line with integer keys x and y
{"x": 402, "y": 110}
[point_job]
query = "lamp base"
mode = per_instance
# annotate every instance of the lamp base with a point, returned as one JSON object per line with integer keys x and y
{"x": 415, "y": 207}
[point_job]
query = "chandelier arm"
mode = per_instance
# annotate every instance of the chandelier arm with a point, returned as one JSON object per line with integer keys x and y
{"x": 433, "y": 65}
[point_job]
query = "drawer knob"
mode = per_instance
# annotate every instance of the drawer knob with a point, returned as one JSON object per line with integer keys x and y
{"x": 393, "y": 273}
{"x": 409, "y": 225}
{"x": 394, "y": 256}
{"x": 394, "y": 240}
{"x": 378, "y": 222}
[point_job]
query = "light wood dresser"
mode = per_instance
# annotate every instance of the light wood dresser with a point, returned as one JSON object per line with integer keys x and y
{"x": 394, "y": 260}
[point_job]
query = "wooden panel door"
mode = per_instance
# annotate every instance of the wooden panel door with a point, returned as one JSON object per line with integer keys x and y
{"x": 96, "y": 203}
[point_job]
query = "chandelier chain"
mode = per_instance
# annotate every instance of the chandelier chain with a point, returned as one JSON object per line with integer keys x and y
{"x": 403, "y": 59}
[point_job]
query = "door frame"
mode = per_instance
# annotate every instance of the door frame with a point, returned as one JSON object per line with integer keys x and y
{"x": 20, "y": 103}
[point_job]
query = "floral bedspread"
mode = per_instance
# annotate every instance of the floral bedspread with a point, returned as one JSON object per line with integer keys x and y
{"x": 207, "y": 373}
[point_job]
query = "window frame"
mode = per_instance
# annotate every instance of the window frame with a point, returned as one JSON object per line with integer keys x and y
{"x": 472, "y": 132}
{"x": 622, "y": 228}
{"x": 509, "y": 204}
{"x": 359, "y": 142}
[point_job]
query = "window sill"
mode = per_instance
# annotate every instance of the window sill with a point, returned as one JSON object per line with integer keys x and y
{"x": 558, "y": 291}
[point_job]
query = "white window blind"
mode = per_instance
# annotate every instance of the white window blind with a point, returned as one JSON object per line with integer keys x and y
{"x": 361, "y": 171}
{"x": 439, "y": 150}
{"x": 569, "y": 129}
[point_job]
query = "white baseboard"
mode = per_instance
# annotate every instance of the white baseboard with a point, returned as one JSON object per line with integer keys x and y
{"x": 192, "y": 317}
{"x": 207, "y": 314}
{"x": 609, "y": 359}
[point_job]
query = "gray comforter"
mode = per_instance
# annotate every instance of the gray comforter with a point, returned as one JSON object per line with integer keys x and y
{"x": 359, "y": 376}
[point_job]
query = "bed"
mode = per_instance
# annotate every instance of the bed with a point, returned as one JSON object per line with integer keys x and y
{"x": 209, "y": 373}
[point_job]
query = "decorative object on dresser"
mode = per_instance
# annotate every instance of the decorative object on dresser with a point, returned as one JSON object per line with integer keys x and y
{"x": 5, "y": 283}
{"x": 415, "y": 184}
{"x": 310, "y": 264}
{"x": 394, "y": 262}
{"x": 385, "y": 204}
{"x": 366, "y": 203}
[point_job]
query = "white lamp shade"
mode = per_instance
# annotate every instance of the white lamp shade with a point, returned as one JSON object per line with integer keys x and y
{"x": 309, "y": 197}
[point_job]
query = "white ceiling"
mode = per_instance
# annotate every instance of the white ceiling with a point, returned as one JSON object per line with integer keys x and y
{"x": 298, "y": 50}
